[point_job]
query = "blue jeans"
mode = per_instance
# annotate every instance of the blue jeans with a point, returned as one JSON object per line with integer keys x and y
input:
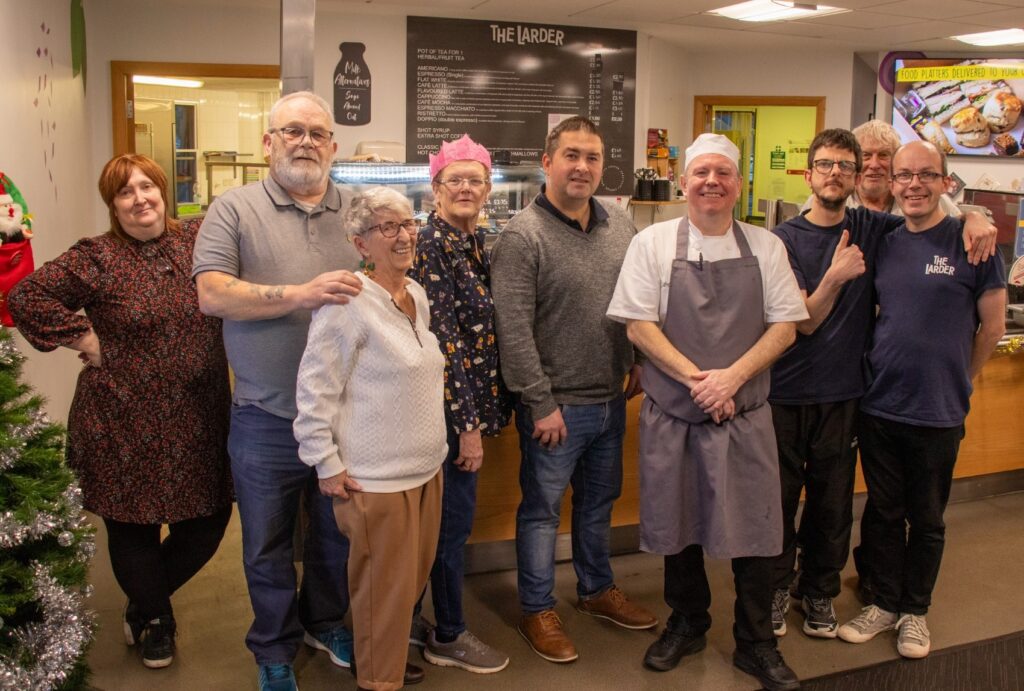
{"x": 458, "y": 503}
{"x": 270, "y": 480}
{"x": 590, "y": 459}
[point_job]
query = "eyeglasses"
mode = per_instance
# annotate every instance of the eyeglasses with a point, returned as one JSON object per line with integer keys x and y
{"x": 293, "y": 135}
{"x": 389, "y": 229}
{"x": 926, "y": 177}
{"x": 456, "y": 183}
{"x": 825, "y": 165}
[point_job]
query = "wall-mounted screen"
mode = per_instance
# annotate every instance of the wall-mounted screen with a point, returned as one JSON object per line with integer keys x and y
{"x": 968, "y": 107}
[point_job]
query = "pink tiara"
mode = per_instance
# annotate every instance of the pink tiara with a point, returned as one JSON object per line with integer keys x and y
{"x": 462, "y": 149}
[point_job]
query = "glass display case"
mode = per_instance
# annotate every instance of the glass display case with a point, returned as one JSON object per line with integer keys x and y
{"x": 512, "y": 187}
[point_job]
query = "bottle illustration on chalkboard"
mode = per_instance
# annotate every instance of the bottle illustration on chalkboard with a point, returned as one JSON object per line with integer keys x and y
{"x": 594, "y": 89}
{"x": 352, "y": 86}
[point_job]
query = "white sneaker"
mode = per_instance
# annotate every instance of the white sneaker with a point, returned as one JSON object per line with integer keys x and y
{"x": 913, "y": 639}
{"x": 871, "y": 621}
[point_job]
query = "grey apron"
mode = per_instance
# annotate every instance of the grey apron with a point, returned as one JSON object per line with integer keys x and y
{"x": 715, "y": 485}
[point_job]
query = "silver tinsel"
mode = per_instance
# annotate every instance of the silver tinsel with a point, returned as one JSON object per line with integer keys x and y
{"x": 19, "y": 434}
{"x": 9, "y": 353}
{"x": 65, "y": 515}
{"x": 54, "y": 644}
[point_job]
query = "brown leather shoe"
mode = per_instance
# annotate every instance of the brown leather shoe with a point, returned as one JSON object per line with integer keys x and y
{"x": 614, "y": 606}
{"x": 543, "y": 631}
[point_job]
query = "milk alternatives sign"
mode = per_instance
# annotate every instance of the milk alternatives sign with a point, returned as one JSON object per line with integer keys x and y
{"x": 502, "y": 82}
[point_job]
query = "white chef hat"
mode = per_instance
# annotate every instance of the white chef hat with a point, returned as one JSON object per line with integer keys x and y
{"x": 708, "y": 143}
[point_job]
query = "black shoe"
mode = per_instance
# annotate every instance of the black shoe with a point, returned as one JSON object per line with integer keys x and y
{"x": 865, "y": 593}
{"x": 766, "y": 664}
{"x": 666, "y": 652}
{"x": 413, "y": 674}
{"x": 158, "y": 642}
{"x": 132, "y": 624}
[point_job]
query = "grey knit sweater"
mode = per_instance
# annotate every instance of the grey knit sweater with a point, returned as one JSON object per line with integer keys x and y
{"x": 551, "y": 285}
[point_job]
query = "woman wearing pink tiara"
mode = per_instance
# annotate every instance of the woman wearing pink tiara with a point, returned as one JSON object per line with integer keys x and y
{"x": 453, "y": 267}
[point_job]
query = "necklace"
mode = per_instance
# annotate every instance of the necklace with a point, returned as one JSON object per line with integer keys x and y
{"x": 412, "y": 324}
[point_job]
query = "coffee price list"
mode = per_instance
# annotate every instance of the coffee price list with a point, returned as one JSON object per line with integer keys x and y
{"x": 505, "y": 84}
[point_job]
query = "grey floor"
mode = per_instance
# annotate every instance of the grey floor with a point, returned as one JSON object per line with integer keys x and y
{"x": 977, "y": 597}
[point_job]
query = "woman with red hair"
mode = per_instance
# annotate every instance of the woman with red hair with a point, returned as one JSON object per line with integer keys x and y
{"x": 147, "y": 430}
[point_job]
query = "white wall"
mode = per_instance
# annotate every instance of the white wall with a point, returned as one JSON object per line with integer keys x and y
{"x": 778, "y": 73}
{"x": 669, "y": 104}
{"x": 45, "y": 149}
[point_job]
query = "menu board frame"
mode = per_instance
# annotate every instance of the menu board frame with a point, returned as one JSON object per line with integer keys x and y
{"x": 507, "y": 83}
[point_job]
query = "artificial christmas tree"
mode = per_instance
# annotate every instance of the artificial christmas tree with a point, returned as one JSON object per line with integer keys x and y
{"x": 45, "y": 544}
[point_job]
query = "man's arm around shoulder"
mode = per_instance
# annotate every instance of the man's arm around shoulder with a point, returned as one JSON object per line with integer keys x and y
{"x": 229, "y": 297}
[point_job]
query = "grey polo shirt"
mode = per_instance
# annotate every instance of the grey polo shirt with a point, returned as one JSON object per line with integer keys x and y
{"x": 259, "y": 234}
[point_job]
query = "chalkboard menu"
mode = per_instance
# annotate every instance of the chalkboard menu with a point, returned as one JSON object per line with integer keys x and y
{"x": 507, "y": 83}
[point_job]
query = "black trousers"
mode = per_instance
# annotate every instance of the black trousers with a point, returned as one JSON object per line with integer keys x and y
{"x": 149, "y": 570}
{"x": 688, "y": 594}
{"x": 909, "y": 472}
{"x": 817, "y": 452}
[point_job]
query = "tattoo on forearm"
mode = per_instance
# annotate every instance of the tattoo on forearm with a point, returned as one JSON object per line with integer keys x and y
{"x": 268, "y": 292}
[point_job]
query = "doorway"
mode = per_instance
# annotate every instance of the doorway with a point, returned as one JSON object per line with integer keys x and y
{"x": 773, "y": 135}
{"x": 204, "y": 129}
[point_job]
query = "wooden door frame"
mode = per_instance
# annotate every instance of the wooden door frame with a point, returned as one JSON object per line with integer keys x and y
{"x": 122, "y": 90}
{"x": 701, "y": 103}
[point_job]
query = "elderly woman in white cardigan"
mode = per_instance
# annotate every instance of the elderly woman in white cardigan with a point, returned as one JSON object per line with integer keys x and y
{"x": 371, "y": 421}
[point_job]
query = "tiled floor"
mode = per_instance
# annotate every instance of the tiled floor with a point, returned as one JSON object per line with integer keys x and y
{"x": 978, "y": 596}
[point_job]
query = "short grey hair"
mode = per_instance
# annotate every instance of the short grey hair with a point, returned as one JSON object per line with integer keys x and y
{"x": 308, "y": 95}
{"x": 879, "y": 131}
{"x": 364, "y": 208}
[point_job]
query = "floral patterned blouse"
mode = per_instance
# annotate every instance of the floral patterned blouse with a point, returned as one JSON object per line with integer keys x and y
{"x": 147, "y": 430}
{"x": 455, "y": 271}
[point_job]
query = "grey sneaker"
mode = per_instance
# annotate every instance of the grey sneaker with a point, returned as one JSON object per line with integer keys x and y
{"x": 466, "y": 652}
{"x": 419, "y": 631}
{"x": 871, "y": 621}
{"x": 780, "y": 605}
{"x": 820, "y": 617}
{"x": 913, "y": 639}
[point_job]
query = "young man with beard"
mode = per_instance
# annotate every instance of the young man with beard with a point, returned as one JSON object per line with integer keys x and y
{"x": 939, "y": 319}
{"x": 816, "y": 384}
{"x": 268, "y": 254}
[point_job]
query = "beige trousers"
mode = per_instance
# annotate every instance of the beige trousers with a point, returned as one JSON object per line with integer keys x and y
{"x": 392, "y": 538}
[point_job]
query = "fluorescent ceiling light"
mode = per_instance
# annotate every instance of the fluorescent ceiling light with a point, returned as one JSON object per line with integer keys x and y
{"x": 774, "y": 10}
{"x": 166, "y": 81}
{"x": 1004, "y": 37}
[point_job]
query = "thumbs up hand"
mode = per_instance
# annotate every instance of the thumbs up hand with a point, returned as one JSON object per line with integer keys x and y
{"x": 847, "y": 260}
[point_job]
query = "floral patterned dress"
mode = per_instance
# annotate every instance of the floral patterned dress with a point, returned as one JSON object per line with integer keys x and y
{"x": 455, "y": 271}
{"x": 147, "y": 431}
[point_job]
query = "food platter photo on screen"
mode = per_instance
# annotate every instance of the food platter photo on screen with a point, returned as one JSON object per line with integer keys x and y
{"x": 969, "y": 107}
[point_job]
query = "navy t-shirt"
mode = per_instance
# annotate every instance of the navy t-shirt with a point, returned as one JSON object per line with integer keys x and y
{"x": 918, "y": 365}
{"x": 826, "y": 366}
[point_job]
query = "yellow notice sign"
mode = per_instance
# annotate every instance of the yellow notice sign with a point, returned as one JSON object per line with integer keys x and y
{"x": 959, "y": 72}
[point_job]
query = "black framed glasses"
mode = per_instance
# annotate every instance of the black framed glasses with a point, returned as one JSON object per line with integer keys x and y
{"x": 294, "y": 135}
{"x": 925, "y": 176}
{"x": 455, "y": 183}
{"x": 824, "y": 166}
{"x": 389, "y": 229}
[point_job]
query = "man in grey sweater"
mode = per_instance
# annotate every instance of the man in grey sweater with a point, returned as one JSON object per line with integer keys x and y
{"x": 554, "y": 270}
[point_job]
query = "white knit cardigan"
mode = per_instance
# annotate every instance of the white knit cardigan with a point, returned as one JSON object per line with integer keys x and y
{"x": 370, "y": 392}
